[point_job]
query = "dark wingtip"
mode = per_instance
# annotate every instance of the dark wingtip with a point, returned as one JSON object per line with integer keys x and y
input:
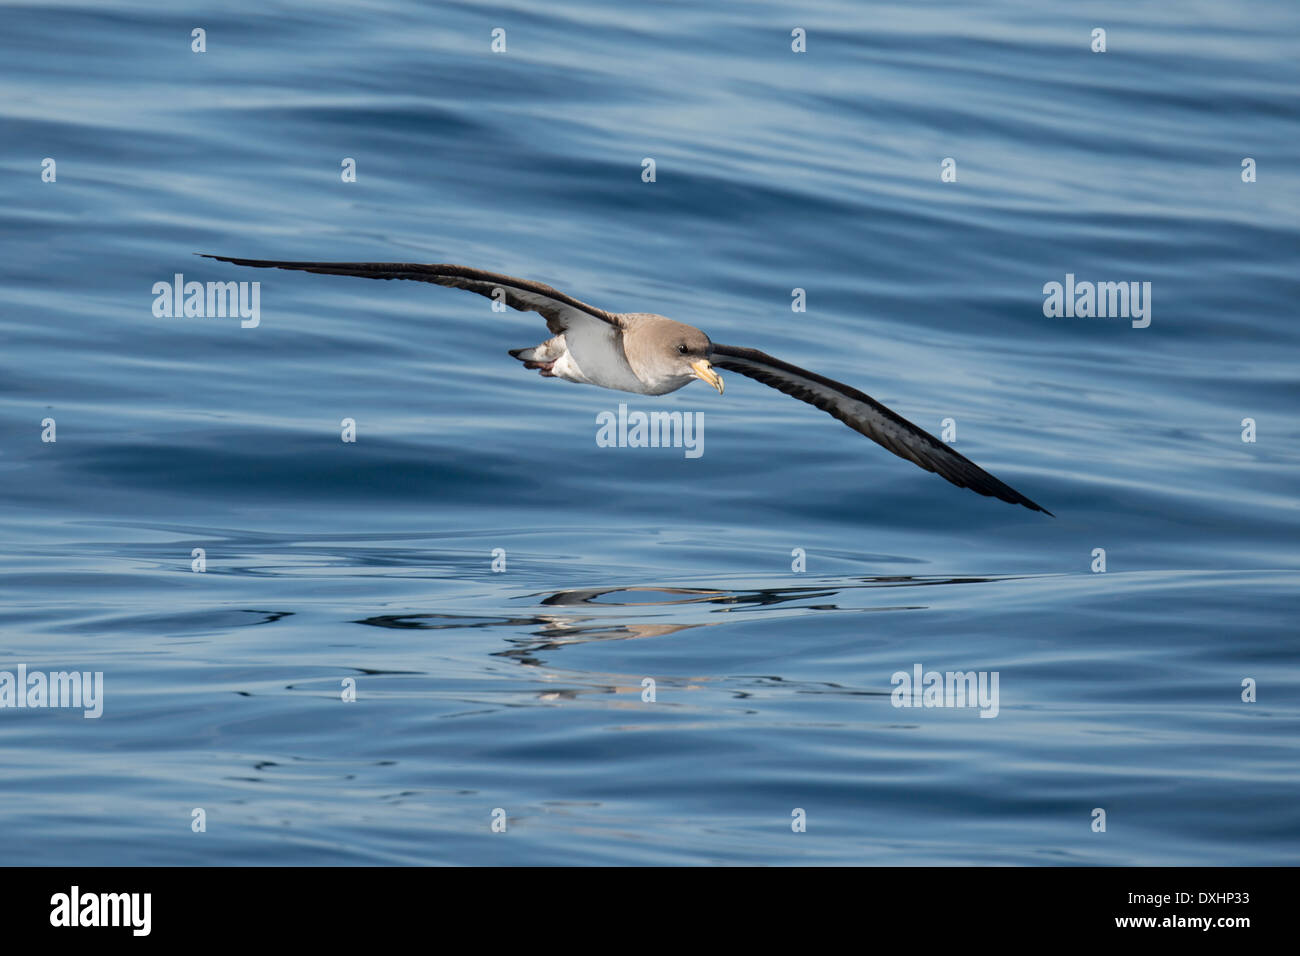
{"x": 258, "y": 263}
{"x": 1035, "y": 506}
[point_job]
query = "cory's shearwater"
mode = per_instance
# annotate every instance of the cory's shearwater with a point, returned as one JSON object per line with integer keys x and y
{"x": 652, "y": 355}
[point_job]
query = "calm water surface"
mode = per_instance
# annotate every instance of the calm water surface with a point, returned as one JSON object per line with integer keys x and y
{"x": 523, "y": 690}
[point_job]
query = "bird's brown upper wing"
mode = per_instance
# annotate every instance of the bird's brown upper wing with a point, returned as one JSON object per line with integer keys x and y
{"x": 559, "y": 310}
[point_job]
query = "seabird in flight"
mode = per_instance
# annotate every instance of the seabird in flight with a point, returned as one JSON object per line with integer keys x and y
{"x": 652, "y": 355}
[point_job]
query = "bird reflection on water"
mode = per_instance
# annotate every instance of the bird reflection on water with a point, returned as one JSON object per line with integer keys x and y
{"x": 690, "y": 607}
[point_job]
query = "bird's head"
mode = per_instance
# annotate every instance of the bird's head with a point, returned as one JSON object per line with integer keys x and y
{"x": 668, "y": 353}
{"x": 690, "y": 350}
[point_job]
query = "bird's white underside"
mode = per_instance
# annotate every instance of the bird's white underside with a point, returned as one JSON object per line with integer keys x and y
{"x": 590, "y": 352}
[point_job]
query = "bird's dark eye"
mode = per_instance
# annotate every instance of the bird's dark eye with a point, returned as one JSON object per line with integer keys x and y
{"x": 683, "y": 349}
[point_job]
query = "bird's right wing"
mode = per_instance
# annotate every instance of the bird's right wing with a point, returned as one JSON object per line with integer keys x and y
{"x": 560, "y": 311}
{"x": 867, "y": 416}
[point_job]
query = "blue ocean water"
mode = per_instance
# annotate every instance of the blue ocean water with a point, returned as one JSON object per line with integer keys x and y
{"x": 519, "y": 694}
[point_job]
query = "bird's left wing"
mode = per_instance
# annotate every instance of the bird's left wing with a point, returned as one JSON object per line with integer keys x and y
{"x": 560, "y": 311}
{"x": 864, "y": 414}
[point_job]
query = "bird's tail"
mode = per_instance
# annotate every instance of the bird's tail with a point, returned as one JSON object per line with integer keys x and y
{"x": 548, "y": 351}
